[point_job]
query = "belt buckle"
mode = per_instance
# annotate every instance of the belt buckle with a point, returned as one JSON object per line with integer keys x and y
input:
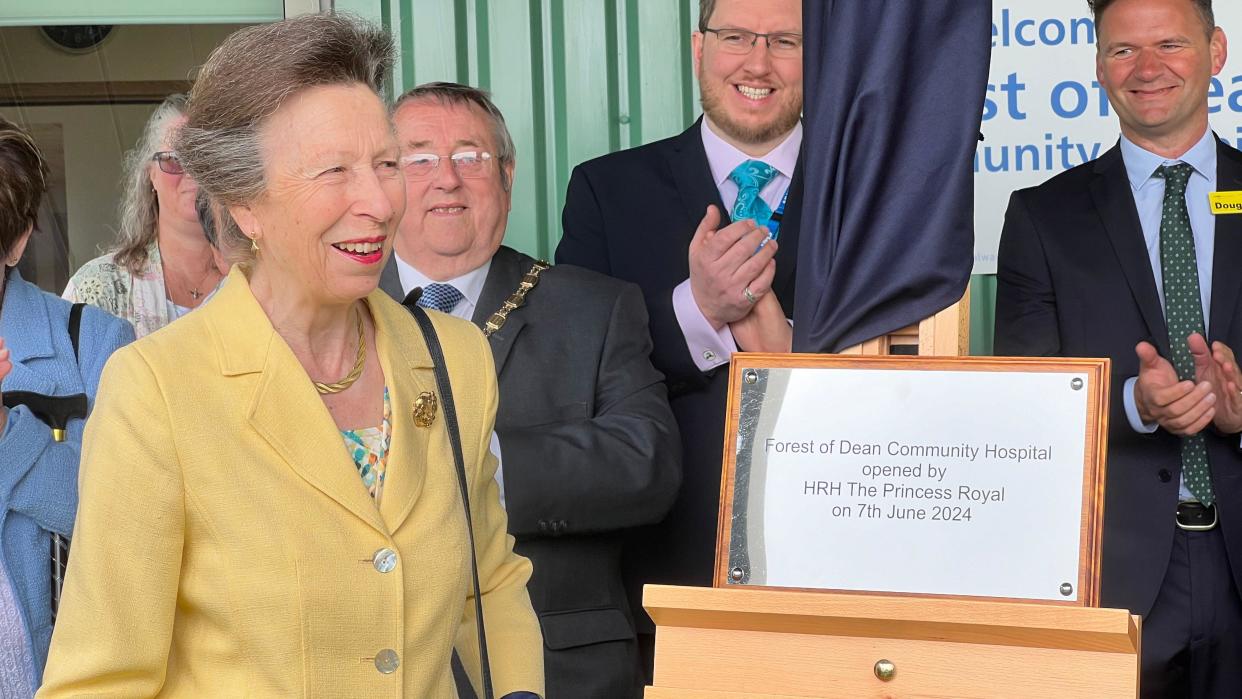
{"x": 1198, "y": 527}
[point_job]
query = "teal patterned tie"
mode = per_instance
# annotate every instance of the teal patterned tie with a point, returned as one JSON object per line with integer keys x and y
{"x": 751, "y": 177}
{"x": 1183, "y": 310}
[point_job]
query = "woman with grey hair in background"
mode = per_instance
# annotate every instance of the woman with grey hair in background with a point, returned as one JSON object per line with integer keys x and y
{"x": 160, "y": 266}
{"x": 272, "y": 500}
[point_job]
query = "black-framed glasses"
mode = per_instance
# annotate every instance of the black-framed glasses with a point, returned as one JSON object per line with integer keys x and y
{"x": 169, "y": 162}
{"x": 467, "y": 163}
{"x": 740, "y": 42}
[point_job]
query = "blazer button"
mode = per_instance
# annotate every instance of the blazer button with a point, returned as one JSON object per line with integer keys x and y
{"x": 1164, "y": 475}
{"x": 386, "y": 661}
{"x": 384, "y": 560}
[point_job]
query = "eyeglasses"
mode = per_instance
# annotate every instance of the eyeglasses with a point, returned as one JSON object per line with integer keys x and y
{"x": 740, "y": 42}
{"x": 169, "y": 162}
{"x": 467, "y": 163}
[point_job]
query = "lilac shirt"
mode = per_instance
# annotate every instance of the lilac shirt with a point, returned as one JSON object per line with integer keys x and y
{"x": 710, "y": 347}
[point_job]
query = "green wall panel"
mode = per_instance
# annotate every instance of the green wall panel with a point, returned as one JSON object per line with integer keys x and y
{"x": 575, "y": 79}
{"x": 35, "y": 12}
{"x": 982, "y": 313}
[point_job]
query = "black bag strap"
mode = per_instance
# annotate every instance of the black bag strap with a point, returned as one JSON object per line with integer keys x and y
{"x": 75, "y": 326}
{"x": 450, "y": 421}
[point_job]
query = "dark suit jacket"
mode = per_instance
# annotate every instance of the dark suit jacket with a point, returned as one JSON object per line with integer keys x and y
{"x": 1074, "y": 280}
{"x": 589, "y": 449}
{"x": 631, "y": 215}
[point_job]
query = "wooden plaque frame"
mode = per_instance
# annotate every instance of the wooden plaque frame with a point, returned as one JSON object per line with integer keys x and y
{"x": 1095, "y": 452}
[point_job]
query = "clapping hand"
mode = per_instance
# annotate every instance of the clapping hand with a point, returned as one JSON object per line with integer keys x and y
{"x": 1218, "y": 367}
{"x": 731, "y": 269}
{"x": 765, "y": 329}
{"x": 1181, "y": 407}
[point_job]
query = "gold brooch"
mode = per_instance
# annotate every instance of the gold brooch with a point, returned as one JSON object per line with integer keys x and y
{"x": 425, "y": 409}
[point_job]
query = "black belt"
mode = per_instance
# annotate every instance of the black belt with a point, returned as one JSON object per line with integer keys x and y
{"x": 1195, "y": 516}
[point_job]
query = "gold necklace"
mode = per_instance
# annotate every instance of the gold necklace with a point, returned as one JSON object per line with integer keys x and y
{"x": 355, "y": 373}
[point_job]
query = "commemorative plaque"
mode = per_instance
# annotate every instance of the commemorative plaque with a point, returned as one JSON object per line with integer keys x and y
{"x": 972, "y": 477}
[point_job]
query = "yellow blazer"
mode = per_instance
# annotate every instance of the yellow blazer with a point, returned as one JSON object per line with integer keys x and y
{"x": 225, "y": 545}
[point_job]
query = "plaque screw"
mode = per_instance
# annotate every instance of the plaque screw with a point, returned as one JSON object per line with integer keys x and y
{"x": 737, "y": 574}
{"x": 885, "y": 670}
{"x": 1067, "y": 589}
{"x": 751, "y": 376}
{"x": 1076, "y": 384}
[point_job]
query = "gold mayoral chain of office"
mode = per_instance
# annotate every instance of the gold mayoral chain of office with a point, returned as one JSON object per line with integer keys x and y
{"x": 497, "y": 319}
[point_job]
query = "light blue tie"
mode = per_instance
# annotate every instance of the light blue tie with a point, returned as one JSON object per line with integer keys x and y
{"x": 751, "y": 177}
{"x": 440, "y": 297}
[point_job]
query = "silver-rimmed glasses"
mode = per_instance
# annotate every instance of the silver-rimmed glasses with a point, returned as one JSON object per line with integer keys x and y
{"x": 741, "y": 41}
{"x": 467, "y": 163}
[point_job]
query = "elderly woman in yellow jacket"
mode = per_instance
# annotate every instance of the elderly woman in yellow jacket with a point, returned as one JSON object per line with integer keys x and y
{"x": 263, "y": 510}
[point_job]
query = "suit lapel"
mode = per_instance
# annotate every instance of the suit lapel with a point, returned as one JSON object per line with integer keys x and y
{"x": 390, "y": 279}
{"x": 1114, "y": 201}
{"x": 284, "y": 409}
{"x": 288, "y": 413}
{"x": 687, "y": 161}
{"x": 787, "y": 254}
{"x": 1227, "y": 255}
{"x": 29, "y": 328}
{"x": 408, "y": 373}
{"x": 506, "y": 271}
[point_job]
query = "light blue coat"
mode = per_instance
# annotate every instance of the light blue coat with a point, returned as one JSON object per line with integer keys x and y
{"x": 39, "y": 477}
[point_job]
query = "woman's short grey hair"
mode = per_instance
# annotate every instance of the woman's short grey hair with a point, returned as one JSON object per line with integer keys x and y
{"x": 456, "y": 93}
{"x": 247, "y": 79}
{"x": 139, "y": 209}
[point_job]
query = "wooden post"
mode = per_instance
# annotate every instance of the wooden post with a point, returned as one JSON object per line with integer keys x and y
{"x": 946, "y": 334}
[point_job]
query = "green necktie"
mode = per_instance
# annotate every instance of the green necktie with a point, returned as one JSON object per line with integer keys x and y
{"x": 1183, "y": 310}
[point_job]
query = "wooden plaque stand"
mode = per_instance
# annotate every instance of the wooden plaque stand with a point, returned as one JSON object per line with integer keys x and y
{"x": 735, "y": 643}
{"x": 768, "y": 644}
{"x": 946, "y": 334}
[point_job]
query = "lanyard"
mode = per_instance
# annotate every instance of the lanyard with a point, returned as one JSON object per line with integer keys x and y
{"x": 774, "y": 223}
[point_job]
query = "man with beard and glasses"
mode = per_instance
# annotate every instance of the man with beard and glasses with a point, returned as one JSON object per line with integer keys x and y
{"x": 706, "y": 224}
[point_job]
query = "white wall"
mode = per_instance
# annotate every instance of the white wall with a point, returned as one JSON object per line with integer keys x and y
{"x": 95, "y": 137}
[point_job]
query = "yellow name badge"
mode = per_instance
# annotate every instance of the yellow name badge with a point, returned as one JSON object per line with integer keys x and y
{"x": 1225, "y": 202}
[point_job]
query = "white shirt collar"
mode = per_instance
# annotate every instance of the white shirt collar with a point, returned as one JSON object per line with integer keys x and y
{"x": 469, "y": 284}
{"x": 723, "y": 157}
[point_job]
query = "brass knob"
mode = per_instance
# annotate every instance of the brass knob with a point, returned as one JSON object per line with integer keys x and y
{"x": 885, "y": 670}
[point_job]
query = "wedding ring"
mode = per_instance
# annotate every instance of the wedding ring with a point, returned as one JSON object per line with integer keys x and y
{"x": 749, "y": 296}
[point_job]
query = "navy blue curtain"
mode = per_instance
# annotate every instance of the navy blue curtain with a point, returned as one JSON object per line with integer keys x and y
{"x": 894, "y": 100}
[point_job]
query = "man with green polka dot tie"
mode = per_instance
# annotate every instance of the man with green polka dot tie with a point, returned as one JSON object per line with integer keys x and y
{"x": 1122, "y": 258}
{"x": 1183, "y": 311}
